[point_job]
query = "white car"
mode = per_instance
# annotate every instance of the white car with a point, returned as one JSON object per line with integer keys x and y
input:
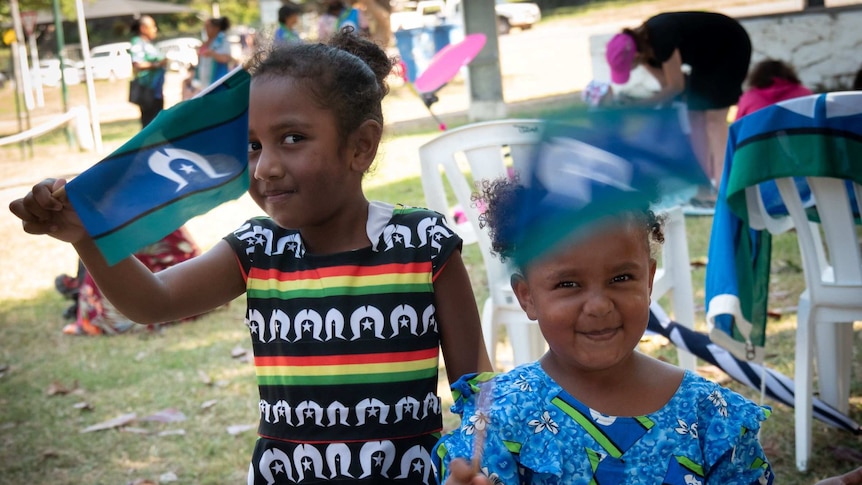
{"x": 508, "y": 13}
{"x": 111, "y": 61}
{"x": 181, "y": 52}
{"x": 516, "y": 14}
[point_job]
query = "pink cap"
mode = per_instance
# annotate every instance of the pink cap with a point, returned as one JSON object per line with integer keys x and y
{"x": 620, "y": 54}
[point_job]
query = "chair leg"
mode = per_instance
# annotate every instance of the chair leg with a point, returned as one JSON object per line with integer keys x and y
{"x": 520, "y": 338}
{"x": 803, "y": 377}
{"x": 537, "y": 342}
{"x": 489, "y": 331}
{"x": 682, "y": 293}
{"x": 834, "y": 359}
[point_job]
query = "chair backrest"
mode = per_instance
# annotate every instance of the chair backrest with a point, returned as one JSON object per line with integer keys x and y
{"x": 830, "y": 249}
{"x": 488, "y": 150}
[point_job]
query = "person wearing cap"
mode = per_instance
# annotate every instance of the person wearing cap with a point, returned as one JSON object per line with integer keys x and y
{"x": 717, "y": 50}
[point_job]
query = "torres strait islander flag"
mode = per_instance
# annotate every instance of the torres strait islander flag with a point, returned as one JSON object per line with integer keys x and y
{"x": 816, "y": 135}
{"x": 593, "y": 164}
{"x": 190, "y": 159}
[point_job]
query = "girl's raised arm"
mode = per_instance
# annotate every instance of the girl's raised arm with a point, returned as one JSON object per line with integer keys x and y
{"x": 187, "y": 289}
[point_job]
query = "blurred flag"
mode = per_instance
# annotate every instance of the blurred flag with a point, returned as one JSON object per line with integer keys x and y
{"x": 816, "y": 135}
{"x": 592, "y": 164}
{"x": 190, "y": 159}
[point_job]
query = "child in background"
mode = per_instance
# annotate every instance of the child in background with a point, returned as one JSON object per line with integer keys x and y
{"x": 769, "y": 82}
{"x": 288, "y": 18}
{"x": 593, "y": 409}
{"x": 349, "y": 301}
{"x": 191, "y": 84}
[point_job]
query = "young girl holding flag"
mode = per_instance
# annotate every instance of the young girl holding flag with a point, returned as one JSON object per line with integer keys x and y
{"x": 348, "y": 299}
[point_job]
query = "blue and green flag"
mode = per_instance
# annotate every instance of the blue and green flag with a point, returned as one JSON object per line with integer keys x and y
{"x": 593, "y": 164}
{"x": 190, "y": 159}
{"x": 816, "y": 135}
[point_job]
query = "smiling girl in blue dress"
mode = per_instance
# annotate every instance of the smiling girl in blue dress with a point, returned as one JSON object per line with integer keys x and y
{"x": 593, "y": 409}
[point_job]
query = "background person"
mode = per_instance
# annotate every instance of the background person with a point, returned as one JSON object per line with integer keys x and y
{"x": 288, "y": 17}
{"x": 338, "y": 15}
{"x": 148, "y": 65}
{"x": 718, "y": 51}
{"x": 214, "y": 56}
{"x": 769, "y": 82}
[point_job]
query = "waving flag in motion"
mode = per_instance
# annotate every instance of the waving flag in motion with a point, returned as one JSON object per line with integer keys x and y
{"x": 592, "y": 164}
{"x": 190, "y": 159}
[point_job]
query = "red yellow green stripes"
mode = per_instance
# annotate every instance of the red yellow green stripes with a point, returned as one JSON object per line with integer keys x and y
{"x": 384, "y": 367}
{"x": 341, "y": 280}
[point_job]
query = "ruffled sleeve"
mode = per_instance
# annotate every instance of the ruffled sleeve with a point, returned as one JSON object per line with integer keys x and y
{"x": 732, "y": 450}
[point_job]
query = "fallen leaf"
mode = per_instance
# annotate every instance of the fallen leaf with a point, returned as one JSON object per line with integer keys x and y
{"x": 208, "y": 404}
{"x": 143, "y": 481}
{"x": 205, "y": 378}
{"x": 239, "y": 428}
{"x": 133, "y": 429}
{"x": 83, "y": 406}
{"x": 172, "y": 432}
{"x": 50, "y": 454}
{"x": 58, "y": 388}
{"x": 169, "y": 415}
{"x": 121, "y": 420}
{"x": 237, "y": 352}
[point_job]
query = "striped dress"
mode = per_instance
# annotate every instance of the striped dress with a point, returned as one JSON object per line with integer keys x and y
{"x": 346, "y": 350}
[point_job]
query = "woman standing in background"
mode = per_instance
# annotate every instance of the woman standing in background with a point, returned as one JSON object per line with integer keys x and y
{"x": 148, "y": 64}
{"x": 718, "y": 51}
{"x": 214, "y": 56}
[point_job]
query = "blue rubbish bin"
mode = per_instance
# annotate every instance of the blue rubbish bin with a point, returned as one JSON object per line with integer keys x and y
{"x": 418, "y": 46}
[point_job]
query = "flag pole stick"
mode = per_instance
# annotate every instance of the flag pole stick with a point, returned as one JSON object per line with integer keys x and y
{"x": 60, "y": 193}
{"x": 218, "y": 82}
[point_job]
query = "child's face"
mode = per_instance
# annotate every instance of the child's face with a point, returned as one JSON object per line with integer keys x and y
{"x": 301, "y": 173}
{"x": 592, "y": 298}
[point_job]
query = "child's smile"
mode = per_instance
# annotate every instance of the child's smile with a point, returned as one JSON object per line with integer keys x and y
{"x": 592, "y": 299}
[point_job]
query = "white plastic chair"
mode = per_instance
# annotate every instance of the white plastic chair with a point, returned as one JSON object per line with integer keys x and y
{"x": 832, "y": 299}
{"x": 489, "y": 149}
{"x": 483, "y": 146}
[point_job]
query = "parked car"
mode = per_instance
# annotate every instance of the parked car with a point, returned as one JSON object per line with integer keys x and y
{"x": 516, "y": 14}
{"x": 509, "y": 13}
{"x": 181, "y": 52}
{"x": 49, "y": 72}
{"x": 111, "y": 61}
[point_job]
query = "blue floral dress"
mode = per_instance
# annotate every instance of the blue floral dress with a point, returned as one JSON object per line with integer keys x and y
{"x": 537, "y": 433}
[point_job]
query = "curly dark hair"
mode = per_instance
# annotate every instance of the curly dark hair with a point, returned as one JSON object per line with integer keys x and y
{"x": 347, "y": 75}
{"x": 502, "y": 199}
